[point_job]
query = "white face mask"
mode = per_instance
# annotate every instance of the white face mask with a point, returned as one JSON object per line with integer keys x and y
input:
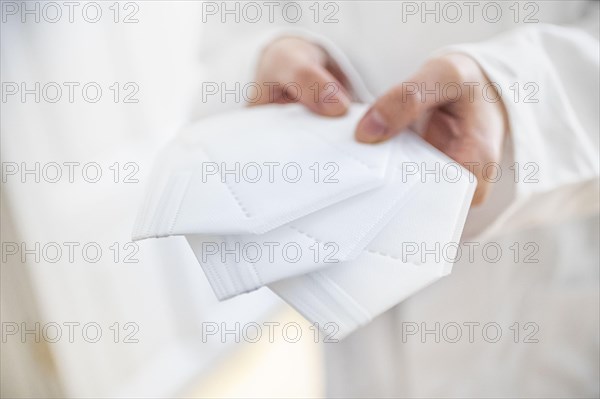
{"x": 338, "y": 233}
{"x": 254, "y": 170}
{"x": 400, "y": 261}
{"x": 340, "y": 240}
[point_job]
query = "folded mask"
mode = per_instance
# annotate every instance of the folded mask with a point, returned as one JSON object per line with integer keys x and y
{"x": 240, "y": 263}
{"x": 415, "y": 249}
{"x": 256, "y": 169}
{"x": 328, "y": 245}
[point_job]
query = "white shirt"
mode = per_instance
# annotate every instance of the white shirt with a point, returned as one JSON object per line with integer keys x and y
{"x": 382, "y": 43}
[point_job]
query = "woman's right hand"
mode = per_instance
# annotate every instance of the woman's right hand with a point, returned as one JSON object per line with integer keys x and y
{"x": 293, "y": 70}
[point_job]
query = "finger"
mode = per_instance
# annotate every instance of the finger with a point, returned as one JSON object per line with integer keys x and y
{"x": 337, "y": 72}
{"x": 264, "y": 94}
{"x": 319, "y": 91}
{"x": 458, "y": 138}
{"x": 406, "y": 102}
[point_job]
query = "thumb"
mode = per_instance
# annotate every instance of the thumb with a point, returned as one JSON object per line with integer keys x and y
{"x": 402, "y": 105}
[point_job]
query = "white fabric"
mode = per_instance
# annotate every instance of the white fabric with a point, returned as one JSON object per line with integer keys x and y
{"x": 235, "y": 263}
{"x": 231, "y": 175}
{"x": 559, "y": 133}
{"x": 341, "y": 232}
{"x": 415, "y": 249}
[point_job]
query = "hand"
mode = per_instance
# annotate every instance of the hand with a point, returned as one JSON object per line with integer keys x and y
{"x": 468, "y": 125}
{"x": 294, "y": 70}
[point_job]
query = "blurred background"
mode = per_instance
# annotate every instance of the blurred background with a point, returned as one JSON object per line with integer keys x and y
{"x": 90, "y": 92}
{"x": 147, "y": 301}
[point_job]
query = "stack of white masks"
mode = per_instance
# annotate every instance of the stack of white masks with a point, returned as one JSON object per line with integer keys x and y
{"x": 278, "y": 196}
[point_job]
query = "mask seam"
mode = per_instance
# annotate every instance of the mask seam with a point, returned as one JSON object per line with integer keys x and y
{"x": 322, "y": 280}
{"x": 392, "y": 210}
{"x": 175, "y": 217}
{"x": 161, "y": 220}
{"x": 313, "y": 312}
{"x": 221, "y": 291}
{"x": 318, "y": 314}
{"x": 230, "y": 190}
{"x": 404, "y": 200}
{"x": 236, "y": 281}
{"x": 142, "y": 223}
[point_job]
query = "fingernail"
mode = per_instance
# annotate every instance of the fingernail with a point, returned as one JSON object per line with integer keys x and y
{"x": 372, "y": 127}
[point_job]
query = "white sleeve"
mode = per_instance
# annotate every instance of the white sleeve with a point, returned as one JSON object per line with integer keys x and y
{"x": 554, "y": 125}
